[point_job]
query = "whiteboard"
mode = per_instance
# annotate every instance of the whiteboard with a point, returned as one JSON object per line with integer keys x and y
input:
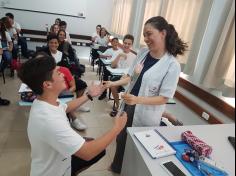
{"x": 63, "y": 7}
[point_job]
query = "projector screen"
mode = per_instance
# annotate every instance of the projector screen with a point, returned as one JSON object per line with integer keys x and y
{"x": 76, "y": 8}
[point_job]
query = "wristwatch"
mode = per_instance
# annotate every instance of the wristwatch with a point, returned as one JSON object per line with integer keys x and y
{"x": 89, "y": 96}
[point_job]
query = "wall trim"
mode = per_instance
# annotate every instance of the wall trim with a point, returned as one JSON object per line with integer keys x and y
{"x": 197, "y": 109}
{"x": 212, "y": 100}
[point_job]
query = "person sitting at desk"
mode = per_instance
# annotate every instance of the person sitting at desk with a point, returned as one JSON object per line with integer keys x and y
{"x": 56, "y": 149}
{"x": 124, "y": 60}
{"x": 62, "y": 60}
{"x": 54, "y": 29}
{"x": 63, "y": 26}
{"x": 67, "y": 49}
{"x": 6, "y": 45}
{"x": 72, "y": 86}
{"x": 96, "y": 34}
{"x": 102, "y": 39}
{"x": 110, "y": 54}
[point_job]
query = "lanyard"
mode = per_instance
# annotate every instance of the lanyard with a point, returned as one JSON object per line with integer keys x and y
{"x": 134, "y": 78}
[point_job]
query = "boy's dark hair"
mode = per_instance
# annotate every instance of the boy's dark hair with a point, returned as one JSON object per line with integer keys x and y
{"x": 130, "y": 37}
{"x": 99, "y": 26}
{"x": 115, "y": 38}
{"x": 10, "y": 15}
{"x": 62, "y": 23}
{"x": 51, "y": 37}
{"x": 37, "y": 70}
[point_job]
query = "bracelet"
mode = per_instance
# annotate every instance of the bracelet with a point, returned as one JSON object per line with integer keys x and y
{"x": 89, "y": 96}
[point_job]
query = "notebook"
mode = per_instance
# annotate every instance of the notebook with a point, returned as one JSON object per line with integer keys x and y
{"x": 154, "y": 144}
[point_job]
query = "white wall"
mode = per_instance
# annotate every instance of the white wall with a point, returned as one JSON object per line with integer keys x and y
{"x": 97, "y": 12}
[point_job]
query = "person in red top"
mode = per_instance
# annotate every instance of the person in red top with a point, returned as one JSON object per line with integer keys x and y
{"x": 73, "y": 86}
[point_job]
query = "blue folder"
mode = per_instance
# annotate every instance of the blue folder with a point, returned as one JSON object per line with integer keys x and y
{"x": 180, "y": 149}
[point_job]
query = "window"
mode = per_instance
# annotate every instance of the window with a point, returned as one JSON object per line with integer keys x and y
{"x": 121, "y": 16}
{"x": 152, "y": 9}
{"x": 183, "y": 14}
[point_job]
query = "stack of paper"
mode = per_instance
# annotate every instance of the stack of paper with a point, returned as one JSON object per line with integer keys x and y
{"x": 155, "y": 145}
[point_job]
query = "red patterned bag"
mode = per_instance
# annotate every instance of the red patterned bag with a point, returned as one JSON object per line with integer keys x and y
{"x": 201, "y": 147}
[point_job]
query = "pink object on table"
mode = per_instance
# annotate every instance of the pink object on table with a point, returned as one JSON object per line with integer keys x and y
{"x": 201, "y": 147}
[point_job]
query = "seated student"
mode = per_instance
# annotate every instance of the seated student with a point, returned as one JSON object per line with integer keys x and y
{"x": 57, "y": 21}
{"x": 67, "y": 49}
{"x": 111, "y": 54}
{"x": 73, "y": 85}
{"x": 97, "y": 33}
{"x": 3, "y": 102}
{"x": 102, "y": 39}
{"x": 123, "y": 60}
{"x": 7, "y": 44}
{"x": 61, "y": 58}
{"x": 52, "y": 49}
{"x": 21, "y": 40}
{"x": 54, "y": 29}
{"x": 14, "y": 37}
{"x": 113, "y": 51}
{"x": 63, "y": 26}
{"x": 14, "y": 24}
{"x": 56, "y": 149}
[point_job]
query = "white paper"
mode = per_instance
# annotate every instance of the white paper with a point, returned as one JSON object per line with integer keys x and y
{"x": 155, "y": 145}
{"x": 24, "y": 88}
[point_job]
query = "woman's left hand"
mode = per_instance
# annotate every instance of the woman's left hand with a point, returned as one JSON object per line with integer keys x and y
{"x": 130, "y": 99}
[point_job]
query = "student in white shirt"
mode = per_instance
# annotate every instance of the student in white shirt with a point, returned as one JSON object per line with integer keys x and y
{"x": 6, "y": 42}
{"x": 52, "y": 140}
{"x": 102, "y": 39}
{"x": 109, "y": 54}
{"x": 63, "y": 26}
{"x": 14, "y": 24}
{"x": 152, "y": 80}
{"x": 112, "y": 52}
{"x": 123, "y": 60}
{"x": 97, "y": 33}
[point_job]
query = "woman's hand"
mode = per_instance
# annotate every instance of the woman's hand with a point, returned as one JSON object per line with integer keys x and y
{"x": 130, "y": 99}
{"x": 108, "y": 84}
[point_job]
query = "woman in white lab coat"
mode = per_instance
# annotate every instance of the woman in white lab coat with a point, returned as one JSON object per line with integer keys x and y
{"x": 152, "y": 80}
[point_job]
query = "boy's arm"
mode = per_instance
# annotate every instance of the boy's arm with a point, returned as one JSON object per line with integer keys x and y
{"x": 94, "y": 91}
{"x": 93, "y": 148}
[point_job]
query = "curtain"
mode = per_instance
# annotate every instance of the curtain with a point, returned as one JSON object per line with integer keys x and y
{"x": 153, "y": 8}
{"x": 121, "y": 16}
{"x": 221, "y": 74}
{"x": 184, "y": 15}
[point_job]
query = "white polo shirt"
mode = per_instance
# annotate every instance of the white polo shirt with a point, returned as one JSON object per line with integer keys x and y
{"x": 57, "y": 56}
{"x": 52, "y": 140}
{"x": 113, "y": 53}
{"x": 128, "y": 62}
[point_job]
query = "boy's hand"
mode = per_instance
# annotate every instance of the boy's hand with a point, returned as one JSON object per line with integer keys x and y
{"x": 120, "y": 122}
{"x": 1, "y": 51}
{"x": 95, "y": 90}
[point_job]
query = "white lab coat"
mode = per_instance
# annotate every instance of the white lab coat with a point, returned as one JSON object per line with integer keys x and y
{"x": 159, "y": 80}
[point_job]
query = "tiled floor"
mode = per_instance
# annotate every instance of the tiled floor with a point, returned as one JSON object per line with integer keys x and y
{"x": 15, "y": 147}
